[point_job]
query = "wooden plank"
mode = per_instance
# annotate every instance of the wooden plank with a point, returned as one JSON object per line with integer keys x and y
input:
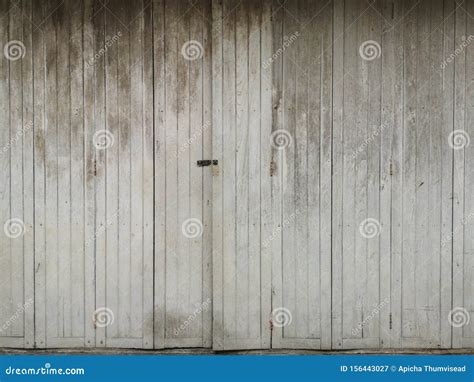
{"x": 148, "y": 176}
{"x": 136, "y": 125}
{"x": 62, "y": 265}
{"x": 79, "y": 279}
{"x": 275, "y": 166}
{"x": 301, "y": 259}
{"x": 266, "y": 225}
{"x": 112, "y": 211}
{"x": 239, "y": 319}
{"x": 89, "y": 172}
{"x": 160, "y": 172}
{"x": 337, "y": 168}
{"x": 229, "y": 281}
{"x": 462, "y": 308}
{"x": 180, "y": 303}
{"x": 173, "y": 228}
{"x": 207, "y": 152}
{"x": 17, "y": 281}
{"x": 447, "y": 212}
{"x": 51, "y": 179}
{"x": 288, "y": 288}
{"x": 122, "y": 279}
{"x": 242, "y": 150}
{"x": 391, "y": 134}
{"x": 217, "y": 181}
{"x": 195, "y": 270}
{"x": 99, "y": 242}
{"x": 372, "y": 299}
{"x": 28, "y": 171}
{"x": 252, "y": 185}
{"x": 326, "y": 99}
{"x": 39, "y": 169}
{"x": 6, "y": 270}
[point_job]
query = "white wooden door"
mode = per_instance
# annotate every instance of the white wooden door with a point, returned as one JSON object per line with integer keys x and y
{"x": 93, "y": 174}
{"x": 461, "y": 316}
{"x": 16, "y": 179}
{"x": 241, "y": 180}
{"x": 421, "y": 174}
{"x": 183, "y": 196}
{"x": 358, "y": 225}
{"x": 301, "y": 175}
{"x": 64, "y": 294}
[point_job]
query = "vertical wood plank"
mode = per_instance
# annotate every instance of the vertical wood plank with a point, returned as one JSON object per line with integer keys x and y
{"x": 217, "y": 183}
{"x": 39, "y": 169}
{"x": 28, "y": 175}
{"x": 160, "y": 169}
{"x": 90, "y": 166}
{"x": 148, "y": 175}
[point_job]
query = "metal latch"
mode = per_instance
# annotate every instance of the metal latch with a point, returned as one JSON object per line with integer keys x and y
{"x": 207, "y": 162}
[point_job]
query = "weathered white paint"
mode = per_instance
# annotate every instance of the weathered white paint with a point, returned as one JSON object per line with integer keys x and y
{"x": 278, "y": 230}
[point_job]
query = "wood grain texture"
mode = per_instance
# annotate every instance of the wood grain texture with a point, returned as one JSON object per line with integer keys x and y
{"x": 183, "y": 196}
{"x": 241, "y": 286}
{"x": 302, "y": 182}
{"x": 462, "y": 243}
{"x": 176, "y": 255}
